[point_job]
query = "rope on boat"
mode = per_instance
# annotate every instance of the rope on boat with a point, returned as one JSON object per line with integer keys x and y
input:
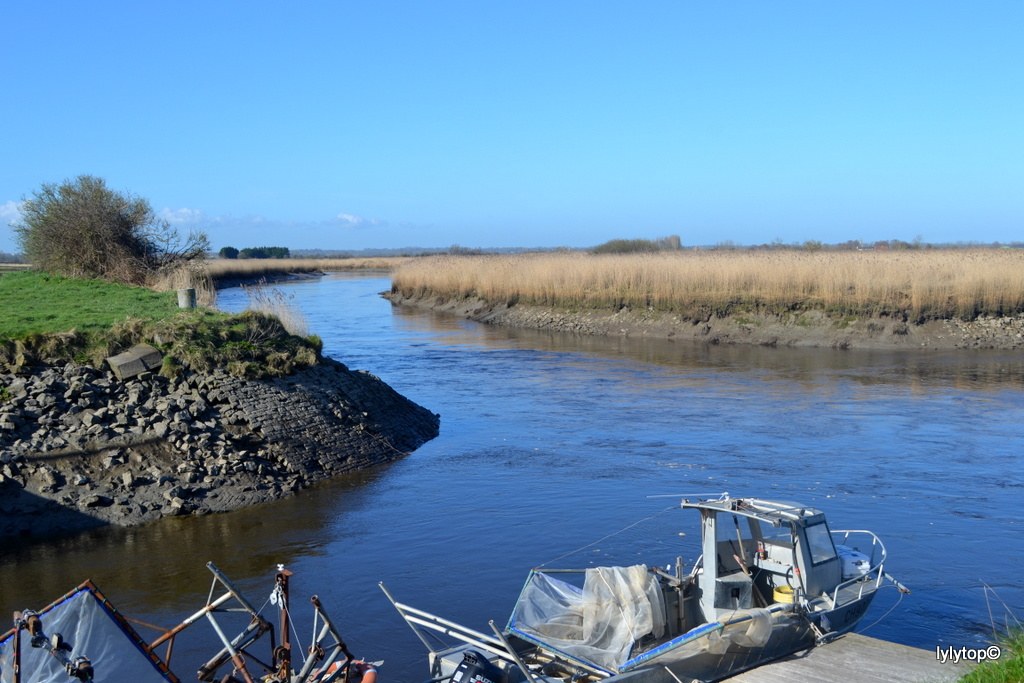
{"x": 669, "y": 672}
{"x": 276, "y": 598}
{"x": 295, "y": 632}
{"x": 898, "y": 601}
{"x": 614, "y": 533}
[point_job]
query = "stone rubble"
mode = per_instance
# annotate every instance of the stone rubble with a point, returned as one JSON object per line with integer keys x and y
{"x": 799, "y": 329}
{"x": 80, "y": 448}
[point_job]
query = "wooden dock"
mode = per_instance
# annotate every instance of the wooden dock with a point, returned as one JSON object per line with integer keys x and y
{"x": 854, "y": 659}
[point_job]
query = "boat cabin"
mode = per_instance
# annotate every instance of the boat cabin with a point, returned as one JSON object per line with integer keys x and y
{"x": 757, "y": 552}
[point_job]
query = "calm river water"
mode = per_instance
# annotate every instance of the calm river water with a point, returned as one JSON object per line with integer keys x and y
{"x": 550, "y": 442}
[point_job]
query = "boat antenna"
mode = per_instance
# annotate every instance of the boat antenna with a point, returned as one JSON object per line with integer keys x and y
{"x": 724, "y": 495}
{"x": 603, "y": 538}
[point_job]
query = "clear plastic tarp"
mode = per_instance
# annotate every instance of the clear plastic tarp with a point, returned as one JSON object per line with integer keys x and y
{"x": 84, "y": 623}
{"x": 597, "y": 624}
{"x": 750, "y": 628}
{"x": 747, "y": 628}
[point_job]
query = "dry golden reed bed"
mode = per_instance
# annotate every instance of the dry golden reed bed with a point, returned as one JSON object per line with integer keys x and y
{"x": 244, "y": 268}
{"x": 918, "y": 284}
{"x": 203, "y": 276}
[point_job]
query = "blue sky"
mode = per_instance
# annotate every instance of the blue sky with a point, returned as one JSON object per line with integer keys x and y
{"x": 350, "y": 125}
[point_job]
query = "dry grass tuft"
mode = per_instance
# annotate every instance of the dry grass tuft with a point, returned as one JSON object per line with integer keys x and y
{"x": 918, "y": 285}
{"x": 190, "y": 275}
{"x": 274, "y": 302}
{"x": 203, "y": 275}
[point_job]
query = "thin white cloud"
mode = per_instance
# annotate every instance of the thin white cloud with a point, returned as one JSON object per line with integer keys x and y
{"x": 10, "y": 212}
{"x": 354, "y": 221}
{"x": 199, "y": 218}
{"x": 349, "y": 218}
{"x": 179, "y": 216}
{"x": 252, "y": 229}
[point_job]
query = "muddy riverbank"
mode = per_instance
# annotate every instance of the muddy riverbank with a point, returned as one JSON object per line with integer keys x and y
{"x": 80, "y": 448}
{"x": 801, "y": 329}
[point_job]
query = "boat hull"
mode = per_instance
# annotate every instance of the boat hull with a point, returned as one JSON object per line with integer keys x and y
{"x": 697, "y": 662}
{"x": 791, "y": 632}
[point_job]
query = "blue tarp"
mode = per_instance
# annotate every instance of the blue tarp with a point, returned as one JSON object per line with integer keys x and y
{"x": 87, "y": 624}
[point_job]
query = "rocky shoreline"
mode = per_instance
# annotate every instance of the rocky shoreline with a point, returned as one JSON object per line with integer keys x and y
{"x": 802, "y": 329}
{"x": 80, "y": 448}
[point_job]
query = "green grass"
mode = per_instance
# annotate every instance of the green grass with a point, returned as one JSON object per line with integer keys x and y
{"x": 1009, "y": 668}
{"x": 53, "y": 319}
{"x": 35, "y": 302}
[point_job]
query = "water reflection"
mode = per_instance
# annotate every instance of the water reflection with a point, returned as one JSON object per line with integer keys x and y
{"x": 969, "y": 370}
{"x": 150, "y": 559}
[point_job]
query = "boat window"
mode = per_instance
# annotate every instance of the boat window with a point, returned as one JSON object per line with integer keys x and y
{"x": 779, "y": 535}
{"x": 819, "y": 540}
{"x": 726, "y": 529}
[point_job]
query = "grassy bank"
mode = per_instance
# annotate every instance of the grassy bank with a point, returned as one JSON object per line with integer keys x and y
{"x": 52, "y": 319}
{"x": 918, "y": 285}
{"x": 1009, "y": 668}
{"x": 34, "y": 302}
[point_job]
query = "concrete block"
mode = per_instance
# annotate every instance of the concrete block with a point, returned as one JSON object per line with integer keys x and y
{"x": 135, "y": 361}
{"x": 187, "y": 298}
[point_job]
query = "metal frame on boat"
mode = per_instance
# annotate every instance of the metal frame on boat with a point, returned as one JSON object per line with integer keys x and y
{"x": 772, "y": 580}
{"x": 100, "y": 641}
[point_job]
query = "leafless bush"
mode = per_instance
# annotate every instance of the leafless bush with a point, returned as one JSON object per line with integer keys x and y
{"x": 81, "y": 228}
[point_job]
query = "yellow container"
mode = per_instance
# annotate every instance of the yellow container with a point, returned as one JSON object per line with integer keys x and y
{"x": 782, "y": 594}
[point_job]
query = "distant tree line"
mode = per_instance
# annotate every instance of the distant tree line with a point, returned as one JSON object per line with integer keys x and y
{"x": 670, "y": 243}
{"x": 456, "y": 250}
{"x": 255, "y": 252}
{"x": 855, "y": 245}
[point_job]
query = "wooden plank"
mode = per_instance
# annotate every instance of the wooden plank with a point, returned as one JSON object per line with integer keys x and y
{"x": 856, "y": 658}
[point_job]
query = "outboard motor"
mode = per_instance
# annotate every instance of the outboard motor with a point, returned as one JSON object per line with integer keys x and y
{"x": 475, "y": 668}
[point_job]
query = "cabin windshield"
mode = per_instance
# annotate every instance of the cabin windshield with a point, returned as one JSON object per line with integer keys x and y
{"x": 781, "y": 535}
{"x": 819, "y": 541}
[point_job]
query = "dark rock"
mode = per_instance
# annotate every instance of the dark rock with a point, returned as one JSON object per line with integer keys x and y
{"x": 209, "y": 443}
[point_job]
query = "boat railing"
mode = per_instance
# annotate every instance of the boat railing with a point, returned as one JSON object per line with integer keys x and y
{"x": 417, "y": 618}
{"x": 872, "y": 578}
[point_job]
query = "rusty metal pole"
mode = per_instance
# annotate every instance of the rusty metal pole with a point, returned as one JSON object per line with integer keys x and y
{"x": 236, "y": 657}
{"x": 285, "y": 650}
{"x": 17, "y": 648}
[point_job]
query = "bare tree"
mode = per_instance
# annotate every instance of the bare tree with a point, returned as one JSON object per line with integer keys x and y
{"x": 81, "y": 228}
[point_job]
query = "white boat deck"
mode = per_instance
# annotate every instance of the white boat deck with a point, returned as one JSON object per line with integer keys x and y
{"x": 856, "y": 659}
